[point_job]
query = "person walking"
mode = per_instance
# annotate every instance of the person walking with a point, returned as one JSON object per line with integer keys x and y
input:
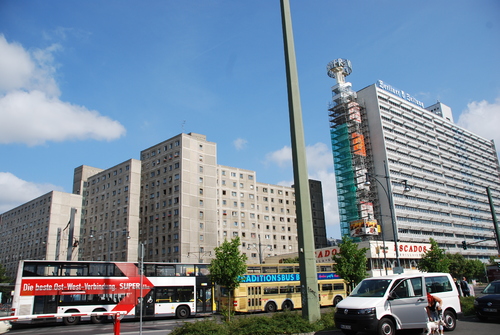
{"x": 464, "y": 285}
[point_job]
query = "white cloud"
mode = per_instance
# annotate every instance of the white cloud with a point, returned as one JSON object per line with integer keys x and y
{"x": 15, "y": 191}
{"x": 483, "y": 119}
{"x": 30, "y": 109}
{"x": 240, "y": 143}
{"x": 281, "y": 157}
{"x": 320, "y": 167}
{"x": 51, "y": 120}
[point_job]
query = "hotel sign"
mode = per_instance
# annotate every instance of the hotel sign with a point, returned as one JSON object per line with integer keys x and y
{"x": 399, "y": 93}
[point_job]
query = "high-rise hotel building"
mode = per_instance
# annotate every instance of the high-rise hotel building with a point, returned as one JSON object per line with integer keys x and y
{"x": 410, "y": 171}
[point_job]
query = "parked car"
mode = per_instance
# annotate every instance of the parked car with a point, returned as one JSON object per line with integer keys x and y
{"x": 5, "y": 326}
{"x": 385, "y": 304}
{"x": 488, "y": 305}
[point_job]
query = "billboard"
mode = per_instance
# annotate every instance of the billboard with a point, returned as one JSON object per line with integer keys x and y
{"x": 363, "y": 227}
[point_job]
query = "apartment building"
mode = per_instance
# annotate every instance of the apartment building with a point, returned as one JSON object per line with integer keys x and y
{"x": 44, "y": 228}
{"x": 109, "y": 229}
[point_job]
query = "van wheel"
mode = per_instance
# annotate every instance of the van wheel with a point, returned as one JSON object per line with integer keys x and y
{"x": 450, "y": 321}
{"x": 386, "y": 327}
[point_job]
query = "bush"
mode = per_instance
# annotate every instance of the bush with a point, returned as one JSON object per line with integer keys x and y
{"x": 253, "y": 325}
{"x": 292, "y": 322}
{"x": 467, "y": 304}
{"x": 327, "y": 321}
{"x": 204, "y": 327}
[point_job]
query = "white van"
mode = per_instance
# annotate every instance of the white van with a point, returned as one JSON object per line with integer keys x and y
{"x": 384, "y": 304}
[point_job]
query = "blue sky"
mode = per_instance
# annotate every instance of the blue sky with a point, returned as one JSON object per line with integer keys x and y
{"x": 95, "y": 82}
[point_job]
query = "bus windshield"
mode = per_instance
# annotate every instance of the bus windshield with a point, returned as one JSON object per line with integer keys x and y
{"x": 371, "y": 288}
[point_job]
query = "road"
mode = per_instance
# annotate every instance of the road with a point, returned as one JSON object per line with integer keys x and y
{"x": 465, "y": 326}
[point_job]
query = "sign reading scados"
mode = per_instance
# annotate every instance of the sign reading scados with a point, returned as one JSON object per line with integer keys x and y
{"x": 399, "y": 93}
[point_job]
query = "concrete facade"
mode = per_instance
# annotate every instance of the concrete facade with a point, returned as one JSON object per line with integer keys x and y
{"x": 110, "y": 205}
{"x": 444, "y": 168}
{"x": 44, "y": 228}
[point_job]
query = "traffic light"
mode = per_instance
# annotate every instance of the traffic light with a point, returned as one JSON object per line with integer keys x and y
{"x": 464, "y": 245}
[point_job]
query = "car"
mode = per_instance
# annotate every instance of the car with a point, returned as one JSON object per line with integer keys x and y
{"x": 488, "y": 305}
{"x": 4, "y": 326}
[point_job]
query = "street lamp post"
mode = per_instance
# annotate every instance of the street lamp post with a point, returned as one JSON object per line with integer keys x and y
{"x": 259, "y": 249}
{"x": 388, "y": 193}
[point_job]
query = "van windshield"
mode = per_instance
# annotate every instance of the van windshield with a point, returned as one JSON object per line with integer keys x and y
{"x": 371, "y": 288}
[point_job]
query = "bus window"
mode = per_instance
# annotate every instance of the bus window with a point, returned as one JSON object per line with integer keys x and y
{"x": 165, "y": 271}
{"x": 286, "y": 289}
{"x": 269, "y": 269}
{"x": 149, "y": 270}
{"x": 180, "y": 270}
{"x": 75, "y": 270}
{"x": 339, "y": 286}
{"x": 297, "y": 289}
{"x": 325, "y": 268}
{"x": 271, "y": 290}
{"x": 29, "y": 270}
{"x": 326, "y": 287}
{"x": 202, "y": 270}
{"x": 286, "y": 268}
{"x": 253, "y": 269}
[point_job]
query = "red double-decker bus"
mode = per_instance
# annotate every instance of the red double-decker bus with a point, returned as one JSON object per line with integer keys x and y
{"x": 73, "y": 287}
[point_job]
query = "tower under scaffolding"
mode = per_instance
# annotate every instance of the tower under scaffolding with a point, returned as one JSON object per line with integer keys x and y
{"x": 348, "y": 133}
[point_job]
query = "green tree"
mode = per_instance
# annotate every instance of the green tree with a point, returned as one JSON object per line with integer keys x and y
{"x": 228, "y": 267}
{"x": 457, "y": 265}
{"x": 475, "y": 269}
{"x": 5, "y": 280}
{"x": 291, "y": 260}
{"x": 434, "y": 259}
{"x": 350, "y": 262}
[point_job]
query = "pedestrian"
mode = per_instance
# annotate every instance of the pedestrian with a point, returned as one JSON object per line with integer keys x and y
{"x": 465, "y": 287}
{"x": 434, "y": 311}
{"x": 458, "y": 286}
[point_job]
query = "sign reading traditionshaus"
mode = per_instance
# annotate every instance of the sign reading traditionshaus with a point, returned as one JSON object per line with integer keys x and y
{"x": 399, "y": 93}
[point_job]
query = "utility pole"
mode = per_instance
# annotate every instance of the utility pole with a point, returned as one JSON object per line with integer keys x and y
{"x": 494, "y": 217}
{"x": 307, "y": 259}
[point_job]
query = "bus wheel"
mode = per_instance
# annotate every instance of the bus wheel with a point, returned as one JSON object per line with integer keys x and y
{"x": 182, "y": 312}
{"x": 71, "y": 320}
{"x": 271, "y": 307}
{"x": 98, "y": 318}
{"x": 287, "y": 305}
{"x": 336, "y": 300}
